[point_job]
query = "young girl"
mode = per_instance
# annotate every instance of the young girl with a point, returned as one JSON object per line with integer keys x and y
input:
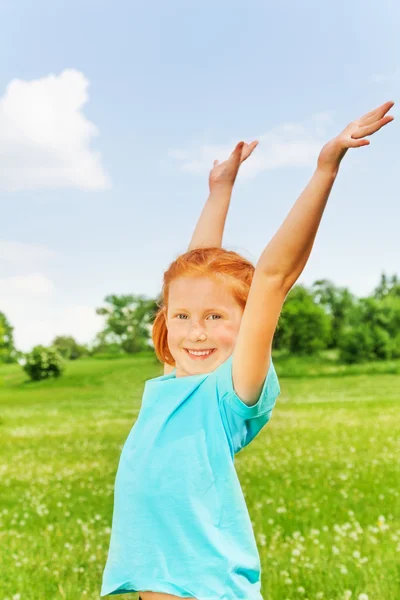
{"x": 180, "y": 525}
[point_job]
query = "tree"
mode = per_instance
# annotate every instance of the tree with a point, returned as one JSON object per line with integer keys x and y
{"x": 68, "y": 347}
{"x": 374, "y": 330}
{"x": 338, "y": 303}
{"x": 128, "y": 322}
{"x": 387, "y": 286}
{"x": 8, "y": 352}
{"x": 356, "y": 345}
{"x": 304, "y": 327}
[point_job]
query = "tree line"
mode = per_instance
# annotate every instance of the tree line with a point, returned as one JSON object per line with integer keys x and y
{"x": 314, "y": 318}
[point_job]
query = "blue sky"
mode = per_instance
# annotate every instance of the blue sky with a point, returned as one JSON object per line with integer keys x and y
{"x": 111, "y": 115}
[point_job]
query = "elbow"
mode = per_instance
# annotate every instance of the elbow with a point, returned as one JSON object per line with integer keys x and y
{"x": 280, "y": 281}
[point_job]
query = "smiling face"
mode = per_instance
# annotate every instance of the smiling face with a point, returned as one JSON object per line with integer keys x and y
{"x": 202, "y": 315}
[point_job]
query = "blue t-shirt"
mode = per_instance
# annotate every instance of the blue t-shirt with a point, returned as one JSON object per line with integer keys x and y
{"x": 180, "y": 523}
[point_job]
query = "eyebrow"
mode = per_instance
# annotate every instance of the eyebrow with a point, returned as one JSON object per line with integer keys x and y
{"x": 205, "y": 310}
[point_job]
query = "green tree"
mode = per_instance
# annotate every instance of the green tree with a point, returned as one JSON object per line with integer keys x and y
{"x": 356, "y": 344}
{"x": 374, "y": 331}
{"x": 388, "y": 286}
{"x": 338, "y": 303}
{"x": 8, "y": 352}
{"x": 305, "y": 327}
{"x": 128, "y": 322}
{"x": 68, "y": 347}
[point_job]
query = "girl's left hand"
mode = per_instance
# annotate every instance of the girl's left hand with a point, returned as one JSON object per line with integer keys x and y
{"x": 225, "y": 173}
{"x": 352, "y": 136}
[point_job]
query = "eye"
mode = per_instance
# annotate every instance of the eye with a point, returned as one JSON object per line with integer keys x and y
{"x": 183, "y": 315}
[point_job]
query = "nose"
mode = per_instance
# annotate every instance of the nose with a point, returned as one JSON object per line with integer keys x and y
{"x": 197, "y": 333}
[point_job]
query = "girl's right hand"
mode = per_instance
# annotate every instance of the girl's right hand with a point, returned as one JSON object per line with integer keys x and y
{"x": 224, "y": 174}
{"x": 353, "y": 136}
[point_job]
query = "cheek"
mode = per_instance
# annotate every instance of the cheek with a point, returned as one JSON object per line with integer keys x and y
{"x": 227, "y": 335}
{"x": 175, "y": 335}
{"x": 172, "y": 337}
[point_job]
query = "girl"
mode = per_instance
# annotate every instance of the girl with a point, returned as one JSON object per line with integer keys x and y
{"x": 180, "y": 526}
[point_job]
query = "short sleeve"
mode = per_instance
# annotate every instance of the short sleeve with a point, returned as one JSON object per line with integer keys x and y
{"x": 243, "y": 422}
{"x": 226, "y": 392}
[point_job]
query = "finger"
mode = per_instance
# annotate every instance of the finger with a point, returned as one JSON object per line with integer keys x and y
{"x": 215, "y": 163}
{"x": 236, "y": 154}
{"x": 247, "y": 150}
{"x": 238, "y": 148}
{"x": 373, "y": 113}
{"x": 377, "y": 113}
{"x": 370, "y": 129}
{"x": 358, "y": 143}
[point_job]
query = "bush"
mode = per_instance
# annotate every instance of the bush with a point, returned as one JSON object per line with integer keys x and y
{"x": 43, "y": 362}
{"x": 356, "y": 345}
{"x": 382, "y": 343}
{"x": 395, "y": 345}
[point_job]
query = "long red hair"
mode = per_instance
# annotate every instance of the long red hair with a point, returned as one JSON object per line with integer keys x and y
{"x": 224, "y": 266}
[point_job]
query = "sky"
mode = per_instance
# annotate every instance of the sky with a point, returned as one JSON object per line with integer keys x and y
{"x": 112, "y": 113}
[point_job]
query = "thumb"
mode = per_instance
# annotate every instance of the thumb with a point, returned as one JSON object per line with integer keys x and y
{"x": 215, "y": 163}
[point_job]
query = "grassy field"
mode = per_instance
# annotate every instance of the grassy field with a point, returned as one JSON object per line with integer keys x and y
{"x": 322, "y": 480}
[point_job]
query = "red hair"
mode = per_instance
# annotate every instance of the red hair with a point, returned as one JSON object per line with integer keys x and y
{"x": 224, "y": 266}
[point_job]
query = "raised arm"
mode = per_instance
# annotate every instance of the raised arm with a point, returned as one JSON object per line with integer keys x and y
{"x": 285, "y": 257}
{"x": 209, "y": 230}
{"x": 210, "y": 226}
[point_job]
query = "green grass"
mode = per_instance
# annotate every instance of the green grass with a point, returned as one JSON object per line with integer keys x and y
{"x": 322, "y": 480}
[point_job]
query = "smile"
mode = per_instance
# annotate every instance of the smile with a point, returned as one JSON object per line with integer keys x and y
{"x": 200, "y": 354}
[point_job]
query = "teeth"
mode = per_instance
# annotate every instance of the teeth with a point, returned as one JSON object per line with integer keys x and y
{"x": 199, "y": 353}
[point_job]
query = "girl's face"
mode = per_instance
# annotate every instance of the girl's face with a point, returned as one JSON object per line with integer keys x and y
{"x": 202, "y": 315}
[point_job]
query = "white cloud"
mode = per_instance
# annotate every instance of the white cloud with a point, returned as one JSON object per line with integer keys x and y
{"x": 38, "y": 318}
{"x": 81, "y": 322}
{"x": 31, "y": 305}
{"x": 45, "y": 137}
{"x": 289, "y": 144}
{"x": 36, "y": 284}
{"x": 21, "y": 254}
{"x": 30, "y": 302}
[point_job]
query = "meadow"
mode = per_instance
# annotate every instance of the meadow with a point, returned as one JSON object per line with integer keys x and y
{"x": 321, "y": 480}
